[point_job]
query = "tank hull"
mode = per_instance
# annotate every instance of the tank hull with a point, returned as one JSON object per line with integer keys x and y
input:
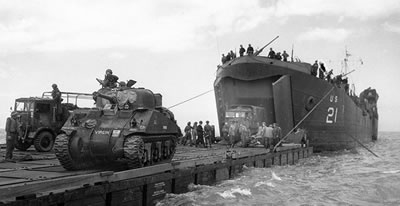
{"x": 288, "y": 92}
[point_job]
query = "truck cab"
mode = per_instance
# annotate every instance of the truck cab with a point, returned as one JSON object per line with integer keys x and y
{"x": 247, "y": 115}
{"x": 41, "y": 119}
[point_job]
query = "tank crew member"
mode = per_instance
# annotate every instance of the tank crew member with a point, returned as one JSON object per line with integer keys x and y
{"x": 271, "y": 54}
{"x": 285, "y": 56}
{"x": 110, "y": 80}
{"x": 223, "y": 59}
{"x": 250, "y": 50}
{"x": 241, "y": 50}
{"x": 322, "y": 70}
{"x": 12, "y": 125}
{"x": 278, "y": 56}
{"x": 207, "y": 134}
{"x": 200, "y": 133}
{"x": 314, "y": 68}
{"x": 225, "y": 131}
{"x": 233, "y": 55}
{"x": 188, "y": 135}
{"x": 122, "y": 85}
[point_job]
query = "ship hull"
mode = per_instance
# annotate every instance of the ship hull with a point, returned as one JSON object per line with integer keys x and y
{"x": 288, "y": 93}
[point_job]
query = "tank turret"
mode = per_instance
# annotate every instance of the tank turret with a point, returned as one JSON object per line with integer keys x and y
{"x": 129, "y": 125}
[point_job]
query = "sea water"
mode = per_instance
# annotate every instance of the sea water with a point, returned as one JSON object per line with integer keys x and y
{"x": 353, "y": 177}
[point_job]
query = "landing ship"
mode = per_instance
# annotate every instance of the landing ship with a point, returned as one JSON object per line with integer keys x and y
{"x": 333, "y": 118}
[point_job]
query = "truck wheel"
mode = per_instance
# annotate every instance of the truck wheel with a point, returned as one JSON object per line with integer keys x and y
{"x": 44, "y": 142}
{"x": 22, "y": 146}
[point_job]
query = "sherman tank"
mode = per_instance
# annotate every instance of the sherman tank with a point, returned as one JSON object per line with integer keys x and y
{"x": 128, "y": 126}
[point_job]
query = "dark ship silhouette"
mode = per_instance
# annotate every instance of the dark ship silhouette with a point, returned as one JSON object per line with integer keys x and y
{"x": 289, "y": 95}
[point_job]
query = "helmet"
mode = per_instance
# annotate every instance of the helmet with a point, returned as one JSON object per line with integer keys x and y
{"x": 14, "y": 113}
{"x": 109, "y": 71}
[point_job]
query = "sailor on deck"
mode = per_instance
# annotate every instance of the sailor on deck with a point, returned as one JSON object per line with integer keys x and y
{"x": 322, "y": 70}
{"x": 285, "y": 56}
{"x": 241, "y": 50}
{"x": 271, "y": 54}
{"x": 314, "y": 68}
{"x": 250, "y": 50}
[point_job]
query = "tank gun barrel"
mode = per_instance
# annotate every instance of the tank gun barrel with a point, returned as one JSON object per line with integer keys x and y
{"x": 262, "y": 48}
{"x": 112, "y": 99}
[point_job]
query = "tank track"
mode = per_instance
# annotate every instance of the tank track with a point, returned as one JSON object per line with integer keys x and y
{"x": 134, "y": 151}
{"x": 61, "y": 148}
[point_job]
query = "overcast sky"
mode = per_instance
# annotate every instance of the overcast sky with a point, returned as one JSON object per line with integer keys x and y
{"x": 173, "y": 47}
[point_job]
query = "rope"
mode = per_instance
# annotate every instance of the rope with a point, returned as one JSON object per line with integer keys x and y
{"x": 191, "y": 98}
{"x": 362, "y": 145}
{"x": 301, "y": 121}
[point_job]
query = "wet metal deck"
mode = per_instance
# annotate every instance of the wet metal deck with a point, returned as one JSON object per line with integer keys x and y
{"x": 40, "y": 179}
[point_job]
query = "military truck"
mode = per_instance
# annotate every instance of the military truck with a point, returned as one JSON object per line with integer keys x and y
{"x": 247, "y": 115}
{"x": 129, "y": 127}
{"x": 41, "y": 119}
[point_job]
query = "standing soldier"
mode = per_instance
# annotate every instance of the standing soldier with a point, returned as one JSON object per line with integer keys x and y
{"x": 233, "y": 133}
{"x": 207, "y": 134}
{"x": 267, "y": 135}
{"x": 56, "y": 94}
{"x": 277, "y": 134}
{"x": 200, "y": 133}
{"x": 194, "y": 134}
{"x": 241, "y": 50}
{"x": 188, "y": 135}
{"x": 285, "y": 56}
{"x": 225, "y": 131}
{"x": 244, "y": 135}
{"x": 250, "y": 50}
{"x": 12, "y": 126}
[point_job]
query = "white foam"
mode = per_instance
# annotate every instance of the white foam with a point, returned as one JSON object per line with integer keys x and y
{"x": 275, "y": 177}
{"x": 391, "y": 172}
{"x": 270, "y": 184}
{"x": 230, "y": 193}
{"x": 242, "y": 191}
{"x": 226, "y": 194}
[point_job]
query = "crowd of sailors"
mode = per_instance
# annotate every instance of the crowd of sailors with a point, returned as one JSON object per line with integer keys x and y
{"x": 250, "y": 51}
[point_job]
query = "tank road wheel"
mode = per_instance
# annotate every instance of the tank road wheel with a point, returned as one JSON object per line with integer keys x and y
{"x": 22, "y": 146}
{"x": 63, "y": 154}
{"x": 44, "y": 142}
{"x": 134, "y": 151}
